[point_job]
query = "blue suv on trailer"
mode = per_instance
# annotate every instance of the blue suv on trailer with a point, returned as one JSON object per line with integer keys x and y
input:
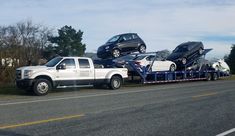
{"x": 120, "y": 44}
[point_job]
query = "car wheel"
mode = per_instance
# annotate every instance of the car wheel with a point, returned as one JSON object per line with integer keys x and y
{"x": 115, "y": 82}
{"x": 184, "y": 61}
{"x": 200, "y": 51}
{"x": 172, "y": 68}
{"x": 116, "y": 53}
{"x": 142, "y": 49}
{"x": 42, "y": 87}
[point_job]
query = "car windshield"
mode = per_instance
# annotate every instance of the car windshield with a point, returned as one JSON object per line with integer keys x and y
{"x": 123, "y": 58}
{"x": 139, "y": 58}
{"x": 181, "y": 49}
{"x": 148, "y": 58}
{"x": 113, "y": 39}
{"x": 53, "y": 62}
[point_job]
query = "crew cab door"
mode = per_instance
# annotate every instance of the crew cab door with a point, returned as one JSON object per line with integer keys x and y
{"x": 85, "y": 71}
{"x": 66, "y": 72}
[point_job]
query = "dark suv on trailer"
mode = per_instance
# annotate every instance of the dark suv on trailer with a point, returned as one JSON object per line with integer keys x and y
{"x": 122, "y": 43}
{"x": 186, "y": 52}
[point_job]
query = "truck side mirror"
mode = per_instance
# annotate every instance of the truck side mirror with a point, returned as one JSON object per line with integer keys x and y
{"x": 61, "y": 66}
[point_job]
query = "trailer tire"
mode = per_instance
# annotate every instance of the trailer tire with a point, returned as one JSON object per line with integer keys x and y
{"x": 115, "y": 82}
{"x": 41, "y": 87}
{"x": 208, "y": 76}
{"x": 215, "y": 77}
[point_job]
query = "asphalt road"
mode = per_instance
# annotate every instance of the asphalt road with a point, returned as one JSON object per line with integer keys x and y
{"x": 178, "y": 109}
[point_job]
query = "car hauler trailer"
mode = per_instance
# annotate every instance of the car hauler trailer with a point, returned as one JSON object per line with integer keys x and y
{"x": 148, "y": 76}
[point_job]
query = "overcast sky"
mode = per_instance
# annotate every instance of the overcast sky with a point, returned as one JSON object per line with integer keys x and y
{"x": 162, "y": 24}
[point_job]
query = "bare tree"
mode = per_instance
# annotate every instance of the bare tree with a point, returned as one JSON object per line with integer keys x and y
{"x": 21, "y": 43}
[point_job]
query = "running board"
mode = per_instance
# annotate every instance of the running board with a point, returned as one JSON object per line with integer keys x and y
{"x": 74, "y": 86}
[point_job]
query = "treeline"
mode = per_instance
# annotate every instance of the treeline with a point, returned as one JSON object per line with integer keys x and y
{"x": 230, "y": 59}
{"x": 26, "y": 43}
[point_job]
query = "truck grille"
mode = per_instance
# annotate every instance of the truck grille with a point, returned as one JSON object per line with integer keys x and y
{"x": 18, "y": 74}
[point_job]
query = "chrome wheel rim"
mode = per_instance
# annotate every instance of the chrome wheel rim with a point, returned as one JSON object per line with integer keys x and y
{"x": 116, "y": 83}
{"x": 116, "y": 53}
{"x": 142, "y": 49}
{"x": 184, "y": 61}
{"x": 200, "y": 51}
{"x": 172, "y": 68}
{"x": 42, "y": 87}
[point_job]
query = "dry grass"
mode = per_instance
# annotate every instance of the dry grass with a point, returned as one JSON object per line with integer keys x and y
{"x": 10, "y": 89}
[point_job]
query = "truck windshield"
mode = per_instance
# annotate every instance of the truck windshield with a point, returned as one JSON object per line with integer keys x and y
{"x": 53, "y": 62}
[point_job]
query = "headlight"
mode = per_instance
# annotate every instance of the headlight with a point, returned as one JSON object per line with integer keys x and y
{"x": 107, "y": 47}
{"x": 28, "y": 73}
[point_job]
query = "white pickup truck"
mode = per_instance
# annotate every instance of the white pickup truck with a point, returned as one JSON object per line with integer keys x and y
{"x": 67, "y": 71}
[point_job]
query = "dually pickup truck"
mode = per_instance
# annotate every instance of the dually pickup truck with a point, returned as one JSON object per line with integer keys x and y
{"x": 65, "y": 72}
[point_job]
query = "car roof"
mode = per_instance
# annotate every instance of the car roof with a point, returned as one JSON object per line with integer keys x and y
{"x": 126, "y": 34}
{"x": 190, "y": 43}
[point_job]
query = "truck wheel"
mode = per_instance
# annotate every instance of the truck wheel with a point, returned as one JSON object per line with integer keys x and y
{"x": 115, "y": 82}
{"x": 142, "y": 49}
{"x": 116, "y": 53}
{"x": 42, "y": 87}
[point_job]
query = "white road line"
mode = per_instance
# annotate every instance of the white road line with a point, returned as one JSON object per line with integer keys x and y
{"x": 72, "y": 97}
{"x": 227, "y": 132}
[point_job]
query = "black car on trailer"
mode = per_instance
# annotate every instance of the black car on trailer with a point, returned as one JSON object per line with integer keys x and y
{"x": 121, "y": 44}
{"x": 185, "y": 53}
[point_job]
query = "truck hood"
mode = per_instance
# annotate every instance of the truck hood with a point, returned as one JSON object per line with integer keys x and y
{"x": 35, "y": 68}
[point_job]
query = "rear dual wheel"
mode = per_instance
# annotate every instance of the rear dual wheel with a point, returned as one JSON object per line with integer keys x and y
{"x": 115, "y": 82}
